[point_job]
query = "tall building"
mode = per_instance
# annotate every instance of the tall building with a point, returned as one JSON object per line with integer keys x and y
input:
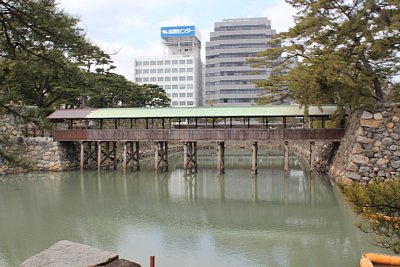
{"x": 229, "y": 80}
{"x": 179, "y": 72}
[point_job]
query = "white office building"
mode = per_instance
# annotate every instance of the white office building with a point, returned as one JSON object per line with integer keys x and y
{"x": 179, "y": 72}
{"x": 229, "y": 79}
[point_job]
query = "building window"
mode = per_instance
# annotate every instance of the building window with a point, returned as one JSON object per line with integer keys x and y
{"x": 145, "y": 80}
{"x": 189, "y": 94}
{"x": 160, "y": 62}
{"x": 153, "y": 62}
{"x": 153, "y": 79}
{"x": 138, "y": 80}
{"x": 153, "y": 71}
{"x": 175, "y": 94}
{"x": 160, "y": 79}
{"x": 182, "y": 94}
{"x": 189, "y": 78}
{"x": 175, "y": 70}
{"x": 189, "y": 70}
{"x": 182, "y": 103}
{"x": 182, "y": 61}
{"x": 146, "y": 71}
{"x": 167, "y": 70}
{"x": 190, "y": 103}
{"x": 138, "y": 63}
{"x": 182, "y": 86}
{"x": 174, "y": 62}
{"x": 167, "y": 79}
{"x": 168, "y": 94}
{"x": 182, "y": 70}
{"x": 160, "y": 71}
{"x": 145, "y": 63}
{"x": 175, "y": 103}
{"x": 167, "y": 62}
{"x": 138, "y": 71}
{"x": 182, "y": 78}
{"x": 189, "y": 86}
{"x": 189, "y": 61}
{"x": 175, "y": 78}
{"x": 174, "y": 86}
{"x": 167, "y": 87}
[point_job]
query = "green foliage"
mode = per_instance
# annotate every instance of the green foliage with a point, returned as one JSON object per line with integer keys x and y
{"x": 346, "y": 53}
{"x": 380, "y": 204}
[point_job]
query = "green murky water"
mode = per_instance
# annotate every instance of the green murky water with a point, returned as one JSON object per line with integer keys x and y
{"x": 202, "y": 219}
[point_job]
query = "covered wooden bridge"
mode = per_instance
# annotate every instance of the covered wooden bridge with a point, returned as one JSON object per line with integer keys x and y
{"x": 99, "y": 130}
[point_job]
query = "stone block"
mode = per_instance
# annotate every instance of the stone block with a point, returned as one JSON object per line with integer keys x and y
{"x": 352, "y": 167}
{"x": 359, "y": 159}
{"x": 363, "y": 169}
{"x": 394, "y": 147}
{"x": 378, "y": 116}
{"x": 395, "y": 136}
{"x": 367, "y": 115}
{"x": 357, "y": 149}
{"x": 395, "y": 164}
{"x": 390, "y": 125}
{"x": 387, "y": 141}
{"x": 371, "y": 123}
{"x": 382, "y": 161}
{"x": 395, "y": 119}
{"x": 364, "y": 140}
{"x": 354, "y": 176}
{"x": 369, "y": 153}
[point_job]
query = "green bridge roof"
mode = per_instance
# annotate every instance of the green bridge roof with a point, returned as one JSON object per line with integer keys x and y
{"x": 192, "y": 112}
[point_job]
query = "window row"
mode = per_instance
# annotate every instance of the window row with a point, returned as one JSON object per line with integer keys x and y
{"x": 163, "y": 62}
{"x": 227, "y": 64}
{"x": 173, "y": 70}
{"x": 164, "y": 79}
{"x": 234, "y": 100}
{"x": 241, "y": 36}
{"x": 180, "y": 95}
{"x": 243, "y": 27}
{"x": 182, "y": 103}
{"x": 238, "y": 73}
{"x": 231, "y": 82}
{"x": 236, "y": 91}
{"x": 236, "y": 46}
{"x": 177, "y": 86}
{"x": 232, "y": 55}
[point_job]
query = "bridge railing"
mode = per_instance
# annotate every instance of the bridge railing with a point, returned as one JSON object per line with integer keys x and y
{"x": 198, "y": 134}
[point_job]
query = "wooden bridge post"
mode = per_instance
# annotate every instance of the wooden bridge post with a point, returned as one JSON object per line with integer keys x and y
{"x": 312, "y": 156}
{"x": 254, "y": 149}
{"x": 161, "y": 155}
{"x": 220, "y": 157}
{"x": 82, "y": 159}
{"x": 131, "y": 154}
{"x": 190, "y": 156}
{"x": 124, "y": 155}
{"x": 286, "y": 168}
{"x": 99, "y": 155}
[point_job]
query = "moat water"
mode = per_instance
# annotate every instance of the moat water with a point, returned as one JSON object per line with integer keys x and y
{"x": 201, "y": 219}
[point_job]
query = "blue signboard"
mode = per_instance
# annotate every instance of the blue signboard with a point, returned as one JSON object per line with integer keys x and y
{"x": 178, "y": 31}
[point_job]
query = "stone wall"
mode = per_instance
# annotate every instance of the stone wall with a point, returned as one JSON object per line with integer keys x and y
{"x": 42, "y": 153}
{"x": 370, "y": 148}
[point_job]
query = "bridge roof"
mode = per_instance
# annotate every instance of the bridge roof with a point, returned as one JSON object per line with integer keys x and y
{"x": 192, "y": 112}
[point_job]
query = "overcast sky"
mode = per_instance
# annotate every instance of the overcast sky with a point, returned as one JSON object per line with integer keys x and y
{"x": 132, "y": 27}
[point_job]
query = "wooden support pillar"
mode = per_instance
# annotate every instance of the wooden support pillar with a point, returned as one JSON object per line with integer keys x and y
{"x": 190, "y": 157}
{"x": 254, "y": 149}
{"x": 82, "y": 159}
{"x": 99, "y": 155}
{"x": 286, "y": 168}
{"x": 131, "y": 155}
{"x": 161, "y": 155}
{"x": 312, "y": 156}
{"x": 125, "y": 156}
{"x": 221, "y": 157}
{"x": 114, "y": 154}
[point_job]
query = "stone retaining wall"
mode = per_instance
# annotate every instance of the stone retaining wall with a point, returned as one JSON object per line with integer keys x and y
{"x": 370, "y": 148}
{"x": 42, "y": 153}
